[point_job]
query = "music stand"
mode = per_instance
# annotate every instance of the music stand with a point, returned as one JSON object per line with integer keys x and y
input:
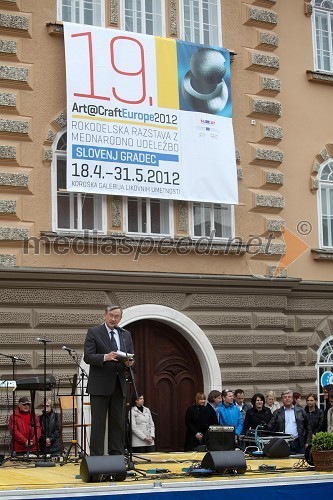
{"x": 13, "y": 360}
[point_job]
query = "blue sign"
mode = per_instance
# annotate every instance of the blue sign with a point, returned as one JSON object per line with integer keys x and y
{"x": 326, "y": 379}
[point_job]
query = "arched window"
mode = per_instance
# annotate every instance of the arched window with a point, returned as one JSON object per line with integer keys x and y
{"x": 323, "y": 34}
{"x": 325, "y": 367}
{"x": 82, "y": 11}
{"x": 201, "y": 21}
{"x": 73, "y": 211}
{"x": 326, "y": 204}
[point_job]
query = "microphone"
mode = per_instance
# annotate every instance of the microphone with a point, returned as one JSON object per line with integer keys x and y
{"x": 42, "y": 340}
{"x": 17, "y": 359}
{"x": 68, "y": 349}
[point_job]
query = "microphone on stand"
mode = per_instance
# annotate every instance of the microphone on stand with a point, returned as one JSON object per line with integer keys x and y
{"x": 68, "y": 349}
{"x": 42, "y": 340}
{"x": 18, "y": 359}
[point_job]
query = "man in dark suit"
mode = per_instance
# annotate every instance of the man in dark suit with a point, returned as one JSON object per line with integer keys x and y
{"x": 209, "y": 414}
{"x": 106, "y": 382}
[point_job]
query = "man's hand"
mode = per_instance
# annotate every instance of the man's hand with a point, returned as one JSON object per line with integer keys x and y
{"x": 110, "y": 356}
{"x": 129, "y": 362}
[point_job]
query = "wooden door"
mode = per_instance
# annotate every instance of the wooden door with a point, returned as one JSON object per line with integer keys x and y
{"x": 168, "y": 373}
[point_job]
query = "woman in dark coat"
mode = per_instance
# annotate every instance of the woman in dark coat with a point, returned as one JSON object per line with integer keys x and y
{"x": 315, "y": 414}
{"x": 259, "y": 414}
{"x": 50, "y": 423}
{"x": 193, "y": 437}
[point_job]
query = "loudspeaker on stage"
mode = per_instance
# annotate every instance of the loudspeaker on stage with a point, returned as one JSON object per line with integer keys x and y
{"x": 277, "y": 448}
{"x": 220, "y": 438}
{"x": 111, "y": 466}
{"x": 225, "y": 461}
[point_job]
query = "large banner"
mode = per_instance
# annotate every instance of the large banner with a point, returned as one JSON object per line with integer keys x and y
{"x": 148, "y": 117}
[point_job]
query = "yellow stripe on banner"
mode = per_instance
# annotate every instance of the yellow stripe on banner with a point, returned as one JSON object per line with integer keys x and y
{"x": 167, "y": 74}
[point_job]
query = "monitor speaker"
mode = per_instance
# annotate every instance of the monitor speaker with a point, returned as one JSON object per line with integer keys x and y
{"x": 220, "y": 438}
{"x": 103, "y": 468}
{"x": 276, "y": 448}
{"x": 224, "y": 461}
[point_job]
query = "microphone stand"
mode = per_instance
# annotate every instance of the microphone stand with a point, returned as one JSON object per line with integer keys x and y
{"x": 130, "y": 462}
{"x": 13, "y": 360}
{"x": 80, "y": 383}
{"x": 44, "y": 462}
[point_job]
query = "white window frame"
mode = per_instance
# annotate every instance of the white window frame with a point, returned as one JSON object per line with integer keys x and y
{"x": 148, "y": 232}
{"x": 212, "y": 206}
{"x": 328, "y": 185}
{"x": 101, "y": 201}
{"x": 79, "y": 4}
{"x": 219, "y": 23}
{"x": 321, "y": 12}
{"x": 143, "y": 14}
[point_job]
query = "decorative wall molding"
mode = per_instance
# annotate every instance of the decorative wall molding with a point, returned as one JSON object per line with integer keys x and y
{"x": 10, "y": 179}
{"x": 308, "y": 8}
{"x": 182, "y": 215}
{"x": 319, "y": 77}
{"x": 114, "y": 12}
{"x": 173, "y": 18}
{"x": 116, "y": 211}
{"x": 324, "y": 155}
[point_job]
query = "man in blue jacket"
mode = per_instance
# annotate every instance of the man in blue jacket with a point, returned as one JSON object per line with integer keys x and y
{"x": 229, "y": 413}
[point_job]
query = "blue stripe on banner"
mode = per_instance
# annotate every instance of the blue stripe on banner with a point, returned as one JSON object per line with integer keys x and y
{"x": 127, "y": 156}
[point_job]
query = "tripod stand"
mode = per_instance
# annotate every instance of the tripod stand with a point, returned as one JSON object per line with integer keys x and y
{"x": 74, "y": 441}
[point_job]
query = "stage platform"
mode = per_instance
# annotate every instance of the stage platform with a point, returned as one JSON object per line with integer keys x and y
{"x": 167, "y": 477}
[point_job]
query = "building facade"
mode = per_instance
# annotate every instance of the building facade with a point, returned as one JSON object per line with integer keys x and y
{"x": 215, "y": 295}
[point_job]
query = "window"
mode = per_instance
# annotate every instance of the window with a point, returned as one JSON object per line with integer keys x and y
{"x": 324, "y": 367}
{"x": 326, "y": 204}
{"x": 73, "y": 211}
{"x": 82, "y": 11}
{"x": 211, "y": 220}
{"x": 148, "y": 216}
{"x": 323, "y": 34}
{"x": 202, "y": 21}
{"x": 144, "y": 16}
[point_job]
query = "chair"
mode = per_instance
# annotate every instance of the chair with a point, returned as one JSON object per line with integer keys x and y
{"x": 69, "y": 420}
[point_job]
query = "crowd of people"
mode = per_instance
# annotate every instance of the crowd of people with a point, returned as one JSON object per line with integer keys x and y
{"x": 109, "y": 352}
{"x": 228, "y": 408}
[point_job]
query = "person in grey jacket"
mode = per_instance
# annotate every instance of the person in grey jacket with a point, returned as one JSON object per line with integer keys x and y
{"x": 142, "y": 426}
{"x": 292, "y": 420}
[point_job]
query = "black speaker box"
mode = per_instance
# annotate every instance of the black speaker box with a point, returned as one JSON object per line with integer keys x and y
{"x": 108, "y": 467}
{"x": 276, "y": 448}
{"x": 220, "y": 438}
{"x": 224, "y": 461}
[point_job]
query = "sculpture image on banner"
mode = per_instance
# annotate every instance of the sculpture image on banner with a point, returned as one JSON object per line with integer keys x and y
{"x": 148, "y": 117}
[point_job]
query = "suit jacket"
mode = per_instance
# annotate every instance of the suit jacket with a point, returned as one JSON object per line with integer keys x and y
{"x": 103, "y": 374}
{"x": 277, "y": 423}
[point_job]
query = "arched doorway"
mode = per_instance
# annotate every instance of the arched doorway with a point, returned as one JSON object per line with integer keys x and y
{"x": 168, "y": 372}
